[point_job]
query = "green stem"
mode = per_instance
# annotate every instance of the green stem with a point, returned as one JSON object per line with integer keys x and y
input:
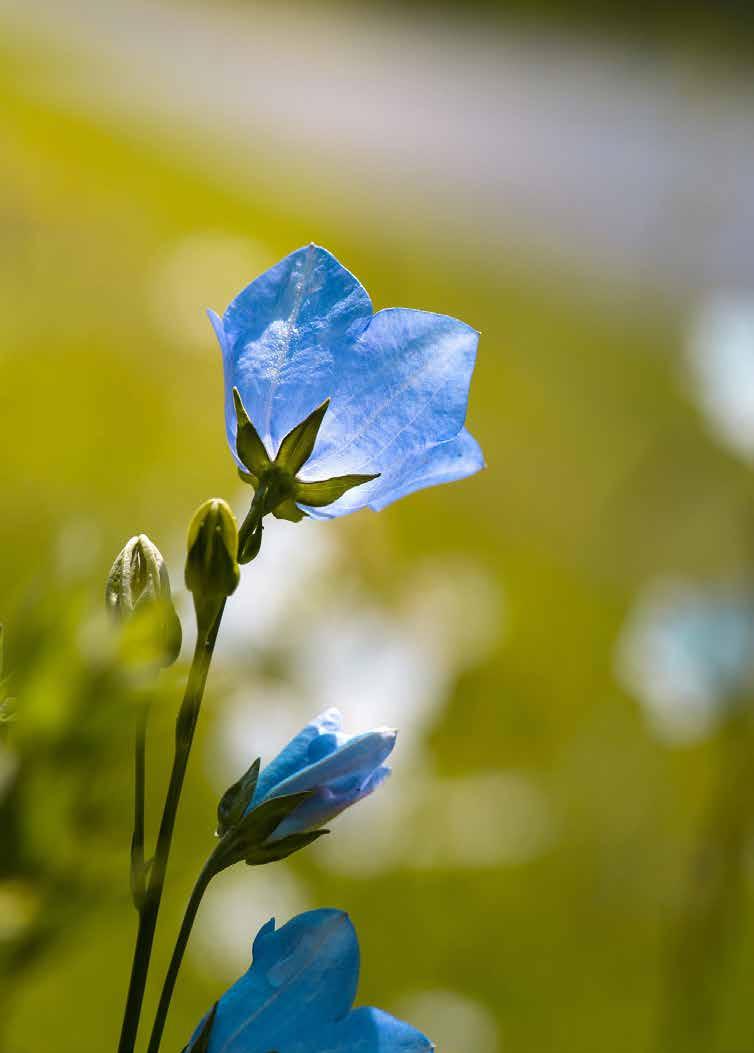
{"x": 250, "y": 531}
{"x": 137, "y": 841}
{"x": 208, "y": 872}
{"x": 150, "y": 908}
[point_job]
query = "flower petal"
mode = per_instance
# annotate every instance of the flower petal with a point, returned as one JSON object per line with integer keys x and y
{"x": 357, "y": 759}
{"x": 281, "y": 339}
{"x": 442, "y": 463}
{"x": 372, "y": 1031}
{"x": 302, "y": 980}
{"x": 295, "y": 756}
{"x": 400, "y": 388}
{"x": 326, "y": 804}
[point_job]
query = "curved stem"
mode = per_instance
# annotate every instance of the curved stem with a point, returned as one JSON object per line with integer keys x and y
{"x": 184, "y": 735}
{"x": 168, "y": 986}
{"x": 250, "y": 531}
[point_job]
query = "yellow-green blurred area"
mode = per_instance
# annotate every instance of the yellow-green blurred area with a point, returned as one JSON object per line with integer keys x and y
{"x": 525, "y": 879}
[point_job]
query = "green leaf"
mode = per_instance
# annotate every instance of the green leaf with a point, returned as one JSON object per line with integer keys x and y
{"x": 249, "y": 446}
{"x": 289, "y": 510}
{"x": 296, "y": 448}
{"x": 283, "y": 848}
{"x": 237, "y": 799}
{"x": 325, "y": 491}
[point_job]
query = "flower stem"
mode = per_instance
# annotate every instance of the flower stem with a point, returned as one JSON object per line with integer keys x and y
{"x": 250, "y": 531}
{"x": 206, "y": 875}
{"x": 137, "y": 841}
{"x": 150, "y": 907}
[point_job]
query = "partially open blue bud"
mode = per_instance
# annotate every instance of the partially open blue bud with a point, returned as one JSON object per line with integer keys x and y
{"x": 335, "y": 769}
{"x": 265, "y": 817}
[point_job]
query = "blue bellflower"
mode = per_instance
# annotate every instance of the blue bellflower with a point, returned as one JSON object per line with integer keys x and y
{"x": 339, "y": 769}
{"x": 387, "y": 392}
{"x": 297, "y": 995}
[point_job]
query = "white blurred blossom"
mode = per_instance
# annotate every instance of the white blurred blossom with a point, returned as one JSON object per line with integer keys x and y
{"x": 236, "y": 905}
{"x": 687, "y": 653}
{"x": 720, "y": 357}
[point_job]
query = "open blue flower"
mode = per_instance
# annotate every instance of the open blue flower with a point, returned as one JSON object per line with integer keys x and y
{"x": 338, "y": 769}
{"x": 387, "y": 393}
{"x": 297, "y": 995}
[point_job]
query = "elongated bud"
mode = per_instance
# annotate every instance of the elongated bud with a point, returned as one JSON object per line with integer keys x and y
{"x": 138, "y": 590}
{"x": 212, "y": 570}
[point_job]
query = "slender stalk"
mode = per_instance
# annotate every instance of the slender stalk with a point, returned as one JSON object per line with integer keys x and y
{"x": 250, "y": 531}
{"x": 137, "y": 841}
{"x": 148, "y": 913}
{"x": 206, "y": 875}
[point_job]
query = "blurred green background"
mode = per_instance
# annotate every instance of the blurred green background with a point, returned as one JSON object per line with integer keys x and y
{"x": 550, "y": 868}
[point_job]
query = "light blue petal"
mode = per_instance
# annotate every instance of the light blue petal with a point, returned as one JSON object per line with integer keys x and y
{"x": 302, "y": 979}
{"x": 400, "y": 388}
{"x": 295, "y": 756}
{"x": 370, "y": 1031}
{"x": 356, "y": 760}
{"x": 443, "y": 463}
{"x": 326, "y": 804}
{"x": 282, "y": 338}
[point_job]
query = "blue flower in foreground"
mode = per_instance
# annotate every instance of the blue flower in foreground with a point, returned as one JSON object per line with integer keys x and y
{"x": 335, "y": 408}
{"x": 297, "y": 997}
{"x": 339, "y": 769}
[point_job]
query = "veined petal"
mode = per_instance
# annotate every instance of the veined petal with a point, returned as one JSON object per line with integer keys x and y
{"x": 295, "y": 756}
{"x": 358, "y": 758}
{"x": 443, "y": 463}
{"x": 282, "y": 338}
{"x": 400, "y": 388}
{"x": 372, "y": 1031}
{"x": 303, "y": 977}
{"x": 326, "y": 804}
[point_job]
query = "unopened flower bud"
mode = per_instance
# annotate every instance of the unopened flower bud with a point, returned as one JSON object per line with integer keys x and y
{"x": 138, "y": 588}
{"x": 212, "y": 571}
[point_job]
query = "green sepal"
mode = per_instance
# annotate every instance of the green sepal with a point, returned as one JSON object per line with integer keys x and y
{"x": 289, "y": 510}
{"x": 249, "y": 446}
{"x": 247, "y": 477}
{"x": 250, "y": 833}
{"x": 237, "y": 799}
{"x": 325, "y": 491}
{"x": 283, "y": 848}
{"x": 201, "y": 1045}
{"x": 296, "y": 448}
{"x": 212, "y": 571}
